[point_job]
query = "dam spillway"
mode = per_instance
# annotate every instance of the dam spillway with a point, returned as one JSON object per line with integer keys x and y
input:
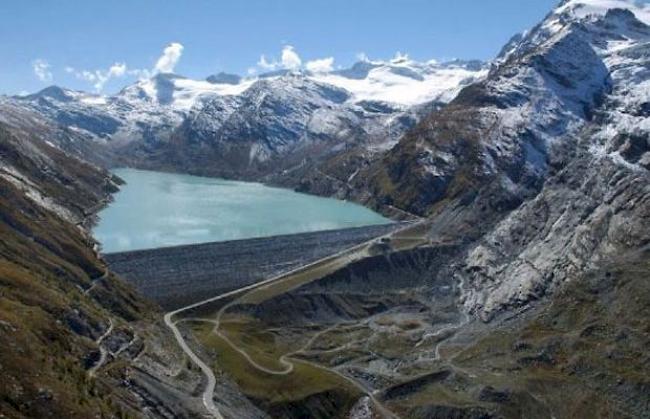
{"x": 181, "y": 275}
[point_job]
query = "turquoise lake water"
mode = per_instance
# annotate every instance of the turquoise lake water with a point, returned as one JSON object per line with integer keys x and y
{"x": 158, "y": 209}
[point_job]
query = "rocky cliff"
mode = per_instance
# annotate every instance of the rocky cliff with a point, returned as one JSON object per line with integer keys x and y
{"x": 77, "y": 341}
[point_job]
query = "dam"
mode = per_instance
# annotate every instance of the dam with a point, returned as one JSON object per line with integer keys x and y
{"x": 181, "y": 275}
{"x": 180, "y": 239}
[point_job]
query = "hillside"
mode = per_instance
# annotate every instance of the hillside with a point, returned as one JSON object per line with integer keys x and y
{"x": 520, "y": 290}
{"x": 60, "y": 309}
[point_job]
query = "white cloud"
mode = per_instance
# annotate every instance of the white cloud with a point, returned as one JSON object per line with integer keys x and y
{"x": 363, "y": 57}
{"x": 399, "y": 57}
{"x": 165, "y": 64}
{"x": 99, "y": 78}
{"x": 141, "y": 73}
{"x": 266, "y": 65}
{"x": 170, "y": 57}
{"x": 290, "y": 59}
{"x": 42, "y": 70}
{"x": 323, "y": 65}
{"x": 87, "y": 75}
{"x": 117, "y": 70}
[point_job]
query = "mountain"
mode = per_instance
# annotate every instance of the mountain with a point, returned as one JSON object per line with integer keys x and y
{"x": 536, "y": 189}
{"x": 224, "y": 78}
{"x": 404, "y": 81}
{"x": 136, "y": 125}
{"x": 521, "y": 291}
{"x": 277, "y": 123}
{"x": 62, "y": 313}
{"x": 544, "y": 161}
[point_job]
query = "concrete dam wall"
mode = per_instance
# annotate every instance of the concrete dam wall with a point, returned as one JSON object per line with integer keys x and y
{"x": 181, "y": 275}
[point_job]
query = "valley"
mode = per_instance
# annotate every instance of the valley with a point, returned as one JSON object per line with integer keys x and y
{"x": 307, "y": 378}
{"x": 392, "y": 239}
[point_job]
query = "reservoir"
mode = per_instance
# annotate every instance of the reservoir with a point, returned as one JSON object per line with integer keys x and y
{"x": 157, "y": 209}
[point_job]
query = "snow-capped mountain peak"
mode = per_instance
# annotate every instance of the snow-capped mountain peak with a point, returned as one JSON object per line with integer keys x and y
{"x": 179, "y": 93}
{"x": 53, "y": 92}
{"x": 581, "y": 9}
{"x": 400, "y": 81}
{"x": 57, "y": 94}
{"x": 372, "y": 102}
{"x": 224, "y": 78}
{"x": 403, "y": 81}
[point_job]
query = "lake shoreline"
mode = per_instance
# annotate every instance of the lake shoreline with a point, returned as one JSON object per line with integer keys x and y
{"x": 160, "y": 209}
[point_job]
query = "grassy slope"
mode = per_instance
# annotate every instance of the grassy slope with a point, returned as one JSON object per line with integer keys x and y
{"x": 307, "y": 388}
{"x": 47, "y": 324}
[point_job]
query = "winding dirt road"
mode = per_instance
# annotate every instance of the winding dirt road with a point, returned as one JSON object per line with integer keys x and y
{"x": 208, "y": 392}
{"x": 102, "y": 351}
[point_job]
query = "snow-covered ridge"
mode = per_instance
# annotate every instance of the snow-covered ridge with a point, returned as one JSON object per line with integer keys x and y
{"x": 400, "y": 81}
{"x": 583, "y": 49}
{"x": 585, "y": 8}
{"x": 404, "y": 81}
{"x": 618, "y": 31}
{"x": 575, "y": 12}
{"x": 152, "y": 108}
{"x": 178, "y": 92}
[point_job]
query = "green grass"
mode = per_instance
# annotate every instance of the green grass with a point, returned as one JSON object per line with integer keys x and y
{"x": 44, "y": 260}
{"x": 260, "y": 345}
{"x": 303, "y": 381}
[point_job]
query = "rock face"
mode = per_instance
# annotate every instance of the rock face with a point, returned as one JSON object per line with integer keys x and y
{"x": 67, "y": 187}
{"x": 586, "y": 215}
{"x": 274, "y": 125}
{"x": 528, "y": 298}
{"x": 59, "y": 305}
{"x": 544, "y": 162}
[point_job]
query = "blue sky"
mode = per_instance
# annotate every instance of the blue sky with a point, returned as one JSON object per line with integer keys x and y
{"x": 93, "y": 45}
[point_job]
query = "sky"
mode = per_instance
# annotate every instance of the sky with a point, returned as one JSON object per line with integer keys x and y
{"x": 101, "y": 46}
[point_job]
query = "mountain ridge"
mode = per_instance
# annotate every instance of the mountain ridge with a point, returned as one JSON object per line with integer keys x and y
{"x": 147, "y": 119}
{"x": 521, "y": 291}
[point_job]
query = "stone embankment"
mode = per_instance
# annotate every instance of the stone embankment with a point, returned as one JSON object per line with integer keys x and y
{"x": 178, "y": 276}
